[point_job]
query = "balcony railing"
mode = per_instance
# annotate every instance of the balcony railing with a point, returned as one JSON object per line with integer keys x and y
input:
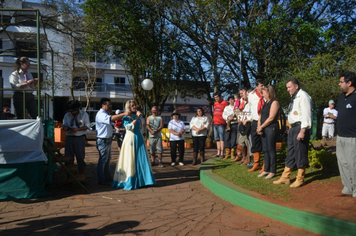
{"x": 104, "y": 87}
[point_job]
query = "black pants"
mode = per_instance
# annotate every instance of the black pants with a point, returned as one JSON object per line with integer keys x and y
{"x": 297, "y": 151}
{"x": 256, "y": 139}
{"x": 174, "y": 144}
{"x": 199, "y": 143}
{"x": 230, "y": 137}
{"x": 30, "y": 105}
{"x": 269, "y": 147}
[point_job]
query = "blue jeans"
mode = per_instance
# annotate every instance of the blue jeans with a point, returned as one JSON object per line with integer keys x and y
{"x": 219, "y": 132}
{"x": 103, "y": 169}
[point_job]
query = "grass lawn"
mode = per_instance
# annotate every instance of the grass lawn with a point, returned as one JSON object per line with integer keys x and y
{"x": 239, "y": 176}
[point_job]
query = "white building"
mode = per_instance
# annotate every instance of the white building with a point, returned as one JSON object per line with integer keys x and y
{"x": 19, "y": 31}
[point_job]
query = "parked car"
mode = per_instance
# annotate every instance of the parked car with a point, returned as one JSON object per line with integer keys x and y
{"x": 91, "y": 132}
{"x": 187, "y": 127}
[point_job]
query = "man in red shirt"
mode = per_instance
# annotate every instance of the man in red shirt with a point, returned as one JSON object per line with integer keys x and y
{"x": 219, "y": 123}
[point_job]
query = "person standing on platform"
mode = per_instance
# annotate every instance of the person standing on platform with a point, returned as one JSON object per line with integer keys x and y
{"x": 75, "y": 123}
{"x": 104, "y": 134}
{"x": 219, "y": 124}
{"x": 346, "y": 132}
{"x": 154, "y": 126}
{"x": 330, "y": 116}
{"x": 256, "y": 102}
{"x": 22, "y": 79}
{"x": 300, "y": 119}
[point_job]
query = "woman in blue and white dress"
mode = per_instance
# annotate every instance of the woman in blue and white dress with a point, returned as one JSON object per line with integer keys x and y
{"x": 133, "y": 169}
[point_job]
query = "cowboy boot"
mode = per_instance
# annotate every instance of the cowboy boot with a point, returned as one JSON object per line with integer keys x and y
{"x": 202, "y": 155}
{"x": 245, "y": 158}
{"x": 233, "y": 152}
{"x": 239, "y": 154}
{"x": 195, "y": 155}
{"x": 285, "y": 176}
{"x": 256, "y": 164}
{"x": 300, "y": 178}
{"x": 228, "y": 153}
{"x": 228, "y": 125}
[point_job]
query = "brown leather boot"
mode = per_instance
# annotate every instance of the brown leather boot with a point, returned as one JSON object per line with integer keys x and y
{"x": 243, "y": 154}
{"x": 228, "y": 125}
{"x": 285, "y": 178}
{"x": 256, "y": 164}
{"x": 233, "y": 152}
{"x": 247, "y": 160}
{"x": 195, "y": 155}
{"x": 239, "y": 154}
{"x": 228, "y": 153}
{"x": 202, "y": 155}
{"x": 300, "y": 178}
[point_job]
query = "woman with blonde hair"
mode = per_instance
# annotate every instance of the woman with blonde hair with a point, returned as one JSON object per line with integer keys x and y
{"x": 22, "y": 79}
{"x": 268, "y": 128}
{"x": 133, "y": 169}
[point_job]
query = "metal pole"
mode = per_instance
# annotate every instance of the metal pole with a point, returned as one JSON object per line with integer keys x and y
{"x": 52, "y": 54}
{"x": 38, "y": 64}
{"x": 146, "y": 116}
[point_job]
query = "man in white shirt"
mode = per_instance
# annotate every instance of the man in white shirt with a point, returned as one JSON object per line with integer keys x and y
{"x": 75, "y": 123}
{"x": 230, "y": 136}
{"x": 330, "y": 116}
{"x": 256, "y": 102}
{"x": 300, "y": 119}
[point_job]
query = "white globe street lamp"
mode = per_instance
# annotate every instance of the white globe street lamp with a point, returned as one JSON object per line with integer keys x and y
{"x": 147, "y": 85}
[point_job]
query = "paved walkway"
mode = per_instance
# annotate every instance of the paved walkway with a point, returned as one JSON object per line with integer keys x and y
{"x": 178, "y": 205}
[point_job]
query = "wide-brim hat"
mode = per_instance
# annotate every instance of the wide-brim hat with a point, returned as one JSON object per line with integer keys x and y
{"x": 73, "y": 105}
{"x": 175, "y": 113}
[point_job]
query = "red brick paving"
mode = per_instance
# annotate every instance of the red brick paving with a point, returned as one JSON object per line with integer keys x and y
{"x": 178, "y": 205}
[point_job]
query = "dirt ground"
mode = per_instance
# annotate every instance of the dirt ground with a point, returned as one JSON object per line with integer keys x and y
{"x": 323, "y": 198}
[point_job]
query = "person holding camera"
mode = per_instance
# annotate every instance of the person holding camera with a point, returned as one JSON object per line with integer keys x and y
{"x": 75, "y": 123}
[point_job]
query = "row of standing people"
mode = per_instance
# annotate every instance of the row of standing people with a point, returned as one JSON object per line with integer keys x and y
{"x": 262, "y": 108}
{"x": 264, "y": 127}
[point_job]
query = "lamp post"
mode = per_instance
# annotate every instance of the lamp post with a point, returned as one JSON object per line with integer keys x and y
{"x": 147, "y": 85}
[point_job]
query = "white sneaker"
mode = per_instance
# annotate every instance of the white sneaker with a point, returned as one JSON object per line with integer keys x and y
{"x": 181, "y": 163}
{"x": 173, "y": 164}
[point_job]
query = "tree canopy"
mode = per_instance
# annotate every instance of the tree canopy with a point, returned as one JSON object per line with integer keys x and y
{"x": 225, "y": 42}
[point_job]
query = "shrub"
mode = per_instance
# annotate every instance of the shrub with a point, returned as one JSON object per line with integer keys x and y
{"x": 320, "y": 159}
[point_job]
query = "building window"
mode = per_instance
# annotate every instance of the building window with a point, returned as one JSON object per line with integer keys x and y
{"x": 78, "y": 83}
{"x": 27, "y": 49}
{"x": 119, "y": 80}
{"x": 5, "y": 20}
{"x": 25, "y": 20}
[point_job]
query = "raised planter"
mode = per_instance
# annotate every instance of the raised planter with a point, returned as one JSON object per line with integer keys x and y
{"x": 188, "y": 145}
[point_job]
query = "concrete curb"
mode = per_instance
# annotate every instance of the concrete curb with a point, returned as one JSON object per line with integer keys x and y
{"x": 238, "y": 196}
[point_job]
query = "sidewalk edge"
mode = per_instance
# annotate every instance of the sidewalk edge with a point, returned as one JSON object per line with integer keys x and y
{"x": 238, "y": 196}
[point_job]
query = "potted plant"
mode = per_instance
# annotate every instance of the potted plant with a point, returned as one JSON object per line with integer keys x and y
{"x": 188, "y": 143}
